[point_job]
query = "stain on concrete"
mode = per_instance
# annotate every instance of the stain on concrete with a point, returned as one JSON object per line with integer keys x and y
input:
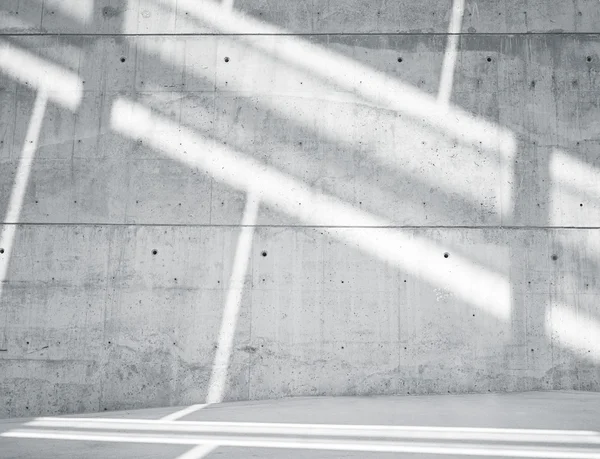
{"x": 110, "y": 12}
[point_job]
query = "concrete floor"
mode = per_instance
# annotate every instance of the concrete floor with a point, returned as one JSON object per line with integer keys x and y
{"x": 141, "y": 433}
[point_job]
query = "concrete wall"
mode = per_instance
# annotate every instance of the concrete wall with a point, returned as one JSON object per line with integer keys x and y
{"x": 326, "y": 113}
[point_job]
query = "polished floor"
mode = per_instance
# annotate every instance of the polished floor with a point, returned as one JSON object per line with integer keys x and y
{"x": 555, "y": 424}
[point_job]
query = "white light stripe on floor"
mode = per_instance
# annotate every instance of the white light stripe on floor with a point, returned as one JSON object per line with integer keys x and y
{"x": 198, "y": 452}
{"x": 337, "y": 430}
{"x": 335, "y": 445}
{"x": 184, "y": 412}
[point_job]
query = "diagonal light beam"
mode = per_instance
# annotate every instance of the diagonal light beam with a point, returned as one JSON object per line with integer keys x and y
{"x": 218, "y": 378}
{"x": 368, "y": 85}
{"x": 198, "y": 452}
{"x": 474, "y": 285}
{"x": 17, "y": 195}
{"x": 447, "y": 76}
{"x": 52, "y": 83}
{"x": 340, "y": 70}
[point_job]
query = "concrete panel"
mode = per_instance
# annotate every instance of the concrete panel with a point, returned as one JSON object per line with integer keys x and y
{"x": 300, "y": 17}
{"x": 7, "y": 107}
{"x": 391, "y": 164}
{"x": 318, "y": 317}
{"x": 367, "y": 308}
{"x": 21, "y": 16}
{"x": 144, "y": 326}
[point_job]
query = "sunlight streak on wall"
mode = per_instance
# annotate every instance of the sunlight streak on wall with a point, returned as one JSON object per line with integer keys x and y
{"x": 574, "y": 330}
{"x": 340, "y": 70}
{"x": 569, "y": 170}
{"x": 80, "y": 10}
{"x": 575, "y": 192}
{"x": 17, "y": 195}
{"x": 227, "y": 4}
{"x": 59, "y": 85}
{"x": 218, "y": 378}
{"x": 449, "y": 64}
{"x": 469, "y": 282}
{"x": 53, "y": 84}
{"x": 351, "y": 124}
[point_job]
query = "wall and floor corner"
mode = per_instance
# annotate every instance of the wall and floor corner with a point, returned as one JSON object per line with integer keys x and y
{"x": 259, "y": 199}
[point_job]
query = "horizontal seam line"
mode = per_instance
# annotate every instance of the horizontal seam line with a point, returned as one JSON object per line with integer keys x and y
{"x": 91, "y": 34}
{"x": 233, "y": 225}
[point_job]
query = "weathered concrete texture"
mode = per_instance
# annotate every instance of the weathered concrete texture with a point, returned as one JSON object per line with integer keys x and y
{"x": 394, "y": 165}
{"x": 364, "y": 185}
{"x": 301, "y": 16}
{"x": 124, "y": 326}
{"x": 95, "y": 321}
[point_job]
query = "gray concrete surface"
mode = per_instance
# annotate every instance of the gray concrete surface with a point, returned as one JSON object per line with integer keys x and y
{"x": 529, "y": 424}
{"x": 303, "y": 16}
{"x": 364, "y": 186}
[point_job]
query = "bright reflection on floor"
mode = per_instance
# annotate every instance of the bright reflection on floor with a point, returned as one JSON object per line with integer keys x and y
{"x": 198, "y": 452}
{"x": 472, "y": 284}
{"x": 371, "y": 438}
